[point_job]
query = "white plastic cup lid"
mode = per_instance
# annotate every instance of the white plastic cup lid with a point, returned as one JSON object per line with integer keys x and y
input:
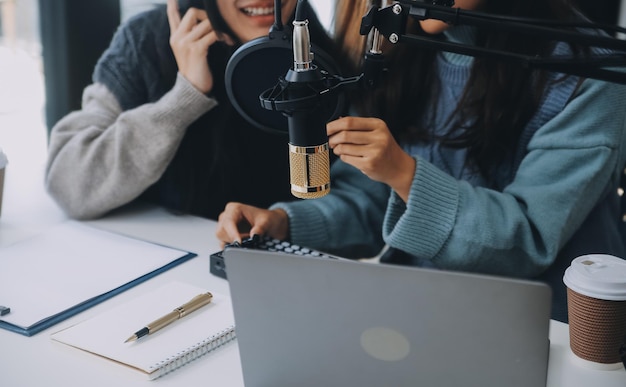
{"x": 599, "y": 276}
{"x": 3, "y": 159}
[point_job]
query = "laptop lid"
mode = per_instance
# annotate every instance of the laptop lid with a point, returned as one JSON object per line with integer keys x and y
{"x": 304, "y": 321}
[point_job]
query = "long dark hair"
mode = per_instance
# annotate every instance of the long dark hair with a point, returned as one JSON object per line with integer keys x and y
{"x": 492, "y": 112}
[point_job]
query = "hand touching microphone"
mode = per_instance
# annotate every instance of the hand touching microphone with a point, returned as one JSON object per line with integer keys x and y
{"x": 368, "y": 145}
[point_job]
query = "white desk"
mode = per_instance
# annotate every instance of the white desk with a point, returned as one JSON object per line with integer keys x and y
{"x": 38, "y": 361}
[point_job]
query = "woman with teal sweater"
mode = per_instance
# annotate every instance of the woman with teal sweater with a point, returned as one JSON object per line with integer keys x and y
{"x": 467, "y": 164}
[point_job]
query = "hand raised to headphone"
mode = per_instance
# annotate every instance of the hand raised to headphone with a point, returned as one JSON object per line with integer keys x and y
{"x": 190, "y": 39}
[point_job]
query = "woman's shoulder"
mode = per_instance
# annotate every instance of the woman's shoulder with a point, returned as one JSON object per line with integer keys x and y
{"x": 138, "y": 60}
{"x": 148, "y": 24}
{"x": 144, "y": 36}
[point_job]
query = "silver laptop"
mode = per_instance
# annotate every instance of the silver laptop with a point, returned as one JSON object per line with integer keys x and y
{"x": 304, "y": 321}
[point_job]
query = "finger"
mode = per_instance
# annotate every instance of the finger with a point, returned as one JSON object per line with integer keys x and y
{"x": 349, "y": 124}
{"x": 355, "y": 161}
{"x": 260, "y": 227}
{"x": 224, "y": 235}
{"x": 226, "y": 39}
{"x": 196, "y": 33}
{"x": 201, "y": 44}
{"x": 362, "y": 139}
{"x": 334, "y": 127}
{"x": 209, "y": 39}
{"x": 257, "y": 230}
{"x": 351, "y": 137}
{"x": 228, "y": 230}
{"x": 350, "y": 150}
{"x": 192, "y": 17}
{"x": 232, "y": 232}
{"x": 173, "y": 15}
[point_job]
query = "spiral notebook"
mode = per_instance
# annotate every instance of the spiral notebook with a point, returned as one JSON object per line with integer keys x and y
{"x": 164, "y": 351}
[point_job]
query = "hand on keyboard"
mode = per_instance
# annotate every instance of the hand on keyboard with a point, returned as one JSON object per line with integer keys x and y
{"x": 258, "y": 242}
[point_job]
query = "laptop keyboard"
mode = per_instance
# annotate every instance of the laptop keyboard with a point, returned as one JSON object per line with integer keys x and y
{"x": 257, "y": 242}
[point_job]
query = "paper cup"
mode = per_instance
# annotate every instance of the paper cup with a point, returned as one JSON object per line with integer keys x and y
{"x": 596, "y": 302}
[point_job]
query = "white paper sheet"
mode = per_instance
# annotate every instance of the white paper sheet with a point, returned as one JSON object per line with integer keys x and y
{"x": 68, "y": 264}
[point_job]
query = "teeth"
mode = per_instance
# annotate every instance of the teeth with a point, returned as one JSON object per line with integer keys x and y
{"x": 253, "y": 11}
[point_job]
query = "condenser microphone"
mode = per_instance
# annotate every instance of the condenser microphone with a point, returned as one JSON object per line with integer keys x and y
{"x": 304, "y": 96}
{"x": 308, "y": 96}
{"x": 309, "y": 154}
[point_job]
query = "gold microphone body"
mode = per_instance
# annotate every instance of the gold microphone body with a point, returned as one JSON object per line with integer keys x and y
{"x": 309, "y": 170}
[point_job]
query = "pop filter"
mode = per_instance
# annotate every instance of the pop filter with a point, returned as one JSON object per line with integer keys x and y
{"x": 257, "y": 66}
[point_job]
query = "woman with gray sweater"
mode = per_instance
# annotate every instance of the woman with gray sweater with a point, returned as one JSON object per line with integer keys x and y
{"x": 157, "y": 124}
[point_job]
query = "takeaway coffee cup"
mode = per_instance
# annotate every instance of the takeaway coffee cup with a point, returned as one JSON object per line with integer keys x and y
{"x": 596, "y": 303}
{"x": 3, "y": 166}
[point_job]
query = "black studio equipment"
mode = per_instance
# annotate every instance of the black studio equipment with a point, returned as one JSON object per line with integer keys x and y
{"x": 300, "y": 89}
{"x": 297, "y": 98}
{"x": 606, "y": 61}
{"x": 299, "y": 105}
{"x": 256, "y": 66}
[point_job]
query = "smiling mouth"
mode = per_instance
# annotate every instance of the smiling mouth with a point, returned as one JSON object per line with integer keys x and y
{"x": 258, "y": 11}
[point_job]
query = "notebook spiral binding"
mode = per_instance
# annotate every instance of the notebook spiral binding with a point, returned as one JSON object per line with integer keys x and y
{"x": 203, "y": 347}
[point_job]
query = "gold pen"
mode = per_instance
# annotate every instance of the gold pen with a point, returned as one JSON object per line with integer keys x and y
{"x": 194, "y": 304}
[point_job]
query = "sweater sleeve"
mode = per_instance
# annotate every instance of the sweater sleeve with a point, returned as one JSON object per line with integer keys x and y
{"x": 100, "y": 157}
{"x": 571, "y": 161}
{"x": 347, "y": 222}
